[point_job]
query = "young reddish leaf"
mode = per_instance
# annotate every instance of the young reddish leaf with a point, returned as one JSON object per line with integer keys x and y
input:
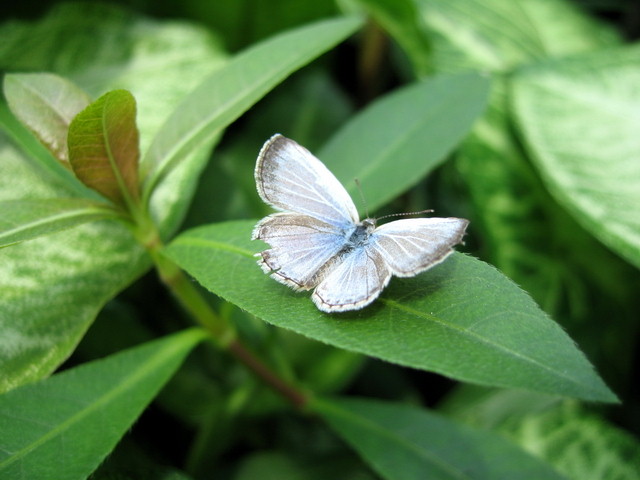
{"x": 103, "y": 146}
{"x": 46, "y": 104}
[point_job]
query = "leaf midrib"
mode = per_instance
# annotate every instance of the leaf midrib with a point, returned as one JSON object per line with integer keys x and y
{"x": 61, "y": 216}
{"x": 465, "y": 332}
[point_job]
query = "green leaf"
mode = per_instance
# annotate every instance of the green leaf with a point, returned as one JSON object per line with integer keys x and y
{"x": 46, "y": 104}
{"x": 429, "y": 120}
{"x": 578, "y": 443}
{"x": 462, "y": 319}
{"x": 230, "y": 91}
{"x": 497, "y": 35}
{"x": 580, "y": 120}
{"x": 26, "y": 219}
{"x": 49, "y": 167}
{"x": 84, "y": 410}
{"x": 103, "y": 146}
{"x": 404, "y": 443}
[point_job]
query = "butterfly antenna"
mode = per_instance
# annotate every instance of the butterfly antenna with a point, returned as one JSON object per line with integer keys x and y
{"x": 364, "y": 200}
{"x": 405, "y": 214}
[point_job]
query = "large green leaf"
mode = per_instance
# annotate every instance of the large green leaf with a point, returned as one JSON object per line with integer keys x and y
{"x": 462, "y": 319}
{"x": 53, "y": 287}
{"x": 497, "y": 35}
{"x": 405, "y": 443}
{"x": 580, "y": 119}
{"x": 428, "y": 120}
{"x": 230, "y": 91}
{"x": 26, "y": 219}
{"x": 46, "y": 103}
{"x": 64, "y": 426}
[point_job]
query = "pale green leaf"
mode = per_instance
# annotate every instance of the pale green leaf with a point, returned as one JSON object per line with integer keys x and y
{"x": 462, "y": 319}
{"x": 388, "y": 156}
{"x": 230, "y": 91}
{"x": 54, "y": 285}
{"x": 578, "y": 443}
{"x": 50, "y": 170}
{"x": 497, "y": 35}
{"x": 46, "y": 104}
{"x": 63, "y": 427}
{"x": 401, "y": 442}
{"x": 26, "y": 219}
{"x": 580, "y": 119}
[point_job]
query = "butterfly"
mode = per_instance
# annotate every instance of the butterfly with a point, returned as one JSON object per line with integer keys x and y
{"x": 318, "y": 242}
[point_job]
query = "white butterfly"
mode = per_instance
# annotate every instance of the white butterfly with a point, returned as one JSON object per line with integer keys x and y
{"x": 317, "y": 240}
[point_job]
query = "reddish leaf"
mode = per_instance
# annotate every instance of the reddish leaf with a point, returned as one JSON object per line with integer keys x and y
{"x": 103, "y": 146}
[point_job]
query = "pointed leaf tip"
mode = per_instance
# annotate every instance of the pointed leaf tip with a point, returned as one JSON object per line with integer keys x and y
{"x": 103, "y": 146}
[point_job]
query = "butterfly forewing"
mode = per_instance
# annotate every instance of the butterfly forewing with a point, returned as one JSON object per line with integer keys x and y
{"x": 411, "y": 246}
{"x": 300, "y": 247}
{"x": 356, "y": 280}
{"x": 290, "y": 178}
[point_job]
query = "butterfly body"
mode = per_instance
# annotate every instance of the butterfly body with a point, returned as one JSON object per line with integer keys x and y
{"x": 318, "y": 242}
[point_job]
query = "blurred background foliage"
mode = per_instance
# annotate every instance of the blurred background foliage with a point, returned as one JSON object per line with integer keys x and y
{"x": 516, "y": 224}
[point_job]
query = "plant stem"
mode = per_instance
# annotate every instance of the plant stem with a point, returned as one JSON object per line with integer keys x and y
{"x": 295, "y": 396}
{"x": 222, "y": 332}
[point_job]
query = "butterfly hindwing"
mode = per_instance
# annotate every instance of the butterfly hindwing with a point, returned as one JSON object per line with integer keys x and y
{"x": 300, "y": 247}
{"x": 355, "y": 281}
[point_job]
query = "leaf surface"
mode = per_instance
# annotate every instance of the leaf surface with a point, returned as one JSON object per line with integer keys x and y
{"x": 428, "y": 120}
{"x": 84, "y": 410}
{"x": 498, "y": 35}
{"x": 46, "y": 104}
{"x": 580, "y": 119}
{"x": 26, "y": 219}
{"x": 230, "y": 91}
{"x": 462, "y": 319}
{"x": 401, "y": 442}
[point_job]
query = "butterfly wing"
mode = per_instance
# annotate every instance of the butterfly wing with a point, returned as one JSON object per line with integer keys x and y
{"x": 290, "y": 178}
{"x": 411, "y": 246}
{"x": 354, "y": 281}
{"x": 301, "y": 247}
